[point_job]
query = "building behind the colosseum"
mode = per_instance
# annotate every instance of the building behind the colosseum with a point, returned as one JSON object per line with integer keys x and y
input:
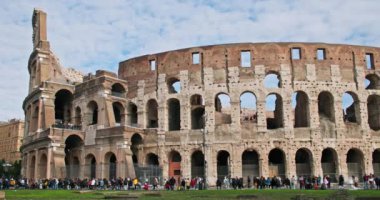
{"x": 201, "y": 111}
{"x": 11, "y": 133}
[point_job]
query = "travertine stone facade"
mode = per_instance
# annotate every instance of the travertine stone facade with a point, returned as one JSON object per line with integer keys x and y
{"x": 181, "y": 113}
{"x": 11, "y": 133}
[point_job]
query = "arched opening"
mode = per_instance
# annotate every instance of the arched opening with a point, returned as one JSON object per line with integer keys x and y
{"x": 250, "y": 164}
{"x": 300, "y": 105}
{"x": 376, "y": 162}
{"x": 73, "y": 148}
{"x": 174, "y": 86}
{"x": 223, "y": 165}
{"x": 272, "y": 80}
{"x": 304, "y": 162}
{"x": 326, "y": 107}
{"x": 136, "y": 142}
{"x": 330, "y": 165}
{"x": 92, "y": 108}
{"x": 152, "y": 159}
{"x": 175, "y": 165}
{"x": 355, "y": 163}
{"x": 118, "y": 90}
{"x": 248, "y": 111}
{"x": 62, "y": 107}
{"x": 110, "y": 165}
{"x": 197, "y": 118}
{"x": 42, "y": 167}
{"x": 373, "y": 106}
{"x": 78, "y": 116}
{"x": 197, "y": 112}
{"x": 90, "y": 166}
{"x": 222, "y": 109}
{"x": 372, "y": 82}
{"x": 196, "y": 100}
{"x": 132, "y": 115}
{"x": 152, "y": 113}
{"x": 34, "y": 123}
{"x": 197, "y": 164}
{"x": 174, "y": 110}
{"x": 32, "y": 167}
{"x": 350, "y": 107}
{"x": 274, "y": 112}
{"x": 118, "y": 111}
{"x": 276, "y": 162}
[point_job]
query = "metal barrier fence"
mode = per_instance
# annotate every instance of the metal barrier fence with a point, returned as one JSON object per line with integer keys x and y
{"x": 223, "y": 171}
{"x": 329, "y": 169}
{"x": 147, "y": 173}
{"x": 303, "y": 169}
{"x": 376, "y": 169}
{"x": 355, "y": 169}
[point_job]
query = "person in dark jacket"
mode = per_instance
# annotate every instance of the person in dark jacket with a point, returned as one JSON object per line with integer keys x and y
{"x": 341, "y": 182}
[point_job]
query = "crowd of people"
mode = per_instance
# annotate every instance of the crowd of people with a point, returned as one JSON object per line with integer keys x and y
{"x": 197, "y": 183}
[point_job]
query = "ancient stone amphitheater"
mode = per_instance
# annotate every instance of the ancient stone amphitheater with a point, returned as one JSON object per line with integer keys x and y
{"x": 247, "y": 109}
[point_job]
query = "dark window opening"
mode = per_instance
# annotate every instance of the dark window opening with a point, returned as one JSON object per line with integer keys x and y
{"x": 321, "y": 54}
{"x": 174, "y": 114}
{"x": 274, "y": 111}
{"x": 373, "y": 108}
{"x": 132, "y": 115}
{"x": 62, "y": 107}
{"x": 245, "y": 58}
{"x": 369, "y": 61}
{"x": 152, "y": 114}
{"x": 223, "y": 109}
{"x": 300, "y": 104}
{"x": 174, "y": 86}
{"x": 296, "y": 53}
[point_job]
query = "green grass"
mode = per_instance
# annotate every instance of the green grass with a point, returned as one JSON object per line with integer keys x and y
{"x": 193, "y": 195}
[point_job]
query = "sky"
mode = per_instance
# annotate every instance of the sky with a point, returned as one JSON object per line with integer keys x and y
{"x": 98, "y": 34}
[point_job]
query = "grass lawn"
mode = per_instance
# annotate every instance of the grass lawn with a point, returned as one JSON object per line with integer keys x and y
{"x": 193, "y": 195}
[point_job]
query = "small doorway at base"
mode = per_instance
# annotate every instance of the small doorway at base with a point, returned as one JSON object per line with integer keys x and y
{"x": 175, "y": 165}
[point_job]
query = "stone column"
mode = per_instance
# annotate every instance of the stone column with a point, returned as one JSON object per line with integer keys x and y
{"x": 48, "y": 163}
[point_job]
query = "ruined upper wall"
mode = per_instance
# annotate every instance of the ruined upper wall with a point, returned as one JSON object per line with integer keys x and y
{"x": 222, "y": 57}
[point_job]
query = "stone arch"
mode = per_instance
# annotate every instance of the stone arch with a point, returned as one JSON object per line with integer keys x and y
{"x": 42, "y": 167}
{"x": 32, "y": 167}
{"x": 304, "y": 162}
{"x": 250, "y": 163}
{"x": 136, "y": 142}
{"x": 274, "y": 111}
{"x": 174, "y": 111}
{"x": 355, "y": 163}
{"x": 197, "y": 164}
{"x": 272, "y": 80}
{"x": 92, "y": 109}
{"x": 118, "y": 90}
{"x": 300, "y": 104}
{"x": 118, "y": 111}
{"x": 326, "y": 107}
{"x": 373, "y": 106}
{"x": 376, "y": 161}
{"x": 151, "y": 159}
{"x": 351, "y": 107}
{"x": 132, "y": 116}
{"x": 174, "y": 85}
{"x": 152, "y": 113}
{"x": 73, "y": 148}
{"x": 222, "y": 109}
{"x": 78, "y": 116}
{"x": 277, "y": 161}
{"x": 330, "y": 164}
{"x": 90, "y": 164}
{"x": 248, "y": 107}
{"x": 372, "y": 81}
{"x": 223, "y": 161}
{"x": 35, "y": 116}
{"x": 110, "y": 163}
{"x": 175, "y": 164}
{"x": 62, "y": 106}
{"x": 197, "y": 112}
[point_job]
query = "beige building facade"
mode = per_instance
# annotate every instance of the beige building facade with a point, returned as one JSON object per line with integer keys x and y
{"x": 11, "y": 134}
{"x": 247, "y": 109}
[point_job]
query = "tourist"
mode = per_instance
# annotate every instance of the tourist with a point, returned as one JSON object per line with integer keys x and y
{"x": 218, "y": 184}
{"x": 341, "y": 182}
{"x": 155, "y": 183}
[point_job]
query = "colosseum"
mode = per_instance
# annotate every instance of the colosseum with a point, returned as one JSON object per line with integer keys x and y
{"x": 246, "y": 109}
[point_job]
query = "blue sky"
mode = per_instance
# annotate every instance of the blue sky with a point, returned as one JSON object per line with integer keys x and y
{"x": 97, "y": 34}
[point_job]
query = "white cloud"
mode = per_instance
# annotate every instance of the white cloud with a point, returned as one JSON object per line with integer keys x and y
{"x": 92, "y": 35}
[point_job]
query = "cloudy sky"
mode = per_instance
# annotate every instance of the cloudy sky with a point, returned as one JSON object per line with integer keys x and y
{"x": 90, "y": 35}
